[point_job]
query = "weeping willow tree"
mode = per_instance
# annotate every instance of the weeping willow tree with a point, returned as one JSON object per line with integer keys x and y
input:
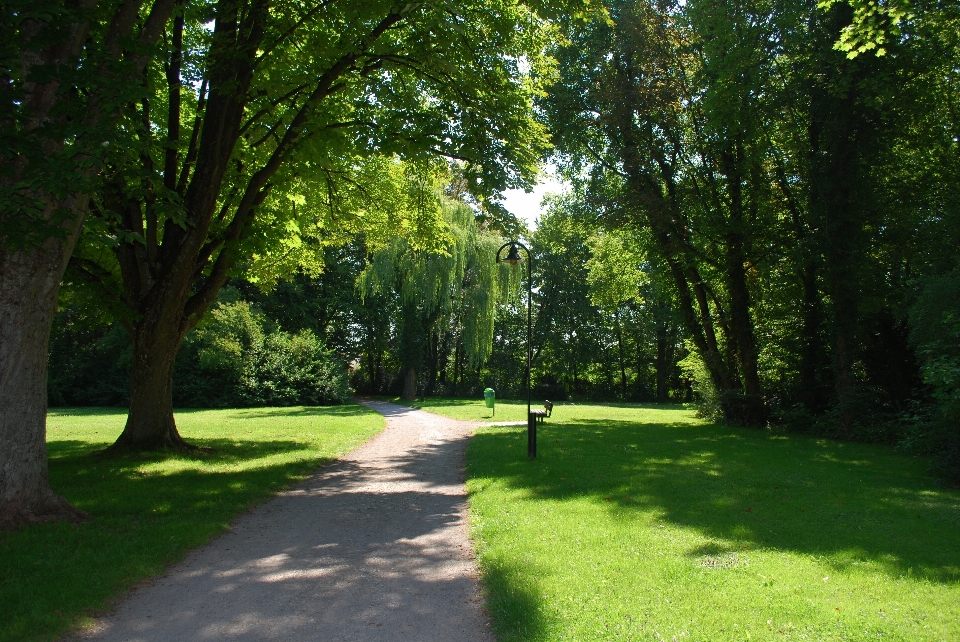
{"x": 447, "y": 296}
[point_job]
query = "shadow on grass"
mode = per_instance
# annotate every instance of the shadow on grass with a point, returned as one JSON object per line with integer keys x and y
{"x": 210, "y": 451}
{"x": 142, "y": 522}
{"x": 292, "y": 570}
{"x": 214, "y": 472}
{"x": 748, "y": 490}
{"x": 346, "y": 410}
{"x": 514, "y": 601}
{"x": 86, "y": 411}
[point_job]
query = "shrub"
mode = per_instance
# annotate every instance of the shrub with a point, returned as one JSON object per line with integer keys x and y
{"x": 237, "y": 357}
{"x": 935, "y": 332}
{"x": 295, "y": 370}
{"x": 216, "y": 356}
{"x": 705, "y": 394}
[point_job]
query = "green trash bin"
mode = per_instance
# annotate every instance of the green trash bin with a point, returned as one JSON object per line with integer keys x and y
{"x": 489, "y": 397}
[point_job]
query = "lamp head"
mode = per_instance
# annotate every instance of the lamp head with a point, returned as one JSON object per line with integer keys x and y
{"x": 513, "y": 256}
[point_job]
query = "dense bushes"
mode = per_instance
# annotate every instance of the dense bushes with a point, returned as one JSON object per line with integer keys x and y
{"x": 236, "y": 357}
{"x": 935, "y": 333}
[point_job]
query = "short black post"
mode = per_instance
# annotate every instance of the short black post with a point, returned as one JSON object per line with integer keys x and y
{"x": 531, "y": 435}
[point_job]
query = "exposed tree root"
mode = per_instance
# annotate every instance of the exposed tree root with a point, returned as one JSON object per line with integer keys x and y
{"x": 127, "y": 446}
{"x": 52, "y": 508}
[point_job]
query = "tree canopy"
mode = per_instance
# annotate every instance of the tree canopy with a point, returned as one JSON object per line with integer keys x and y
{"x": 763, "y": 210}
{"x": 209, "y": 137}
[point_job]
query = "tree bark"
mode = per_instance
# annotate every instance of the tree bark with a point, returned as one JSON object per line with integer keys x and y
{"x": 741, "y": 323}
{"x": 410, "y": 385}
{"x": 30, "y": 278}
{"x": 837, "y": 135}
{"x": 150, "y": 421}
{"x": 663, "y": 218}
{"x": 749, "y": 408}
{"x": 29, "y": 283}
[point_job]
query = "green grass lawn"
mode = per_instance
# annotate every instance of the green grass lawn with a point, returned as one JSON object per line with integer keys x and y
{"x": 644, "y": 523}
{"x": 149, "y": 509}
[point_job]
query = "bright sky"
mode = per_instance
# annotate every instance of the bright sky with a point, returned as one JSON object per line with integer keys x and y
{"x": 527, "y": 206}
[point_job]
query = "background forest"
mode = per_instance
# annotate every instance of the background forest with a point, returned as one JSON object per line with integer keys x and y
{"x": 763, "y": 217}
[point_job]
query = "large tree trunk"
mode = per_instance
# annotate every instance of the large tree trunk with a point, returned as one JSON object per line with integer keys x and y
{"x": 662, "y": 216}
{"x": 167, "y": 311}
{"x": 410, "y": 385}
{"x": 30, "y": 278}
{"x": 150, "y": 422}
{"x": 836, "y": 138}
{"x": 742, "y": 326}
{"x": 29, "y": 283}
{"x": 748, "y": 408}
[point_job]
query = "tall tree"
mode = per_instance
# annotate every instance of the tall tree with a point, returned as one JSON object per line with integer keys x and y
{"x": 569, "y": 329}
{"x": 63, "y": 71}
{"x": 632, "y": 112}
{"x": 282, "y": 97}
{"x": 457, "y": 280}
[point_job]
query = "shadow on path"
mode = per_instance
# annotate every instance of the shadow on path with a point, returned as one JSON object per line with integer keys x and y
{"x": 373, "y": 547}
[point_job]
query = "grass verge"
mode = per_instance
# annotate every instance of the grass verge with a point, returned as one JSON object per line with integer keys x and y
{"x": 149, "y": 509}
{"x": 643, "y": 523}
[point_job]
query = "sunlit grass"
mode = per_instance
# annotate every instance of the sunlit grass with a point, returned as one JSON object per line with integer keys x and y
{"x": 646, "y": 524}
{"x": 149, "y": 509}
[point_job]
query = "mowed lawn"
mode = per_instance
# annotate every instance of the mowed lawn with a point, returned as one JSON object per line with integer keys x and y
{"x": 644, "y": 523}
{"x": 149, "y": 509}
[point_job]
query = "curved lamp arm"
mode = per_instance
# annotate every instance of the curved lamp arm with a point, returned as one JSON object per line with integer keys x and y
{"x": 513, "y": 258}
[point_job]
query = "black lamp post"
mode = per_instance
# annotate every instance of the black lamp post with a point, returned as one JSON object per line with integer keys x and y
{"x": 513, "y": 258}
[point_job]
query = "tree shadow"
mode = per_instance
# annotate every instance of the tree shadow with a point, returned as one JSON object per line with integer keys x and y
{"x": 634, "y": 405}
{"x": 85, "y": 411}
{"x": 147, "y": 509}
{"x": 514, "y": 599}
{"x": 345, "y": 410}
{"x": 191, "y": 479}
{"x": 357, "y": 547}
{"x": 747, "y": 490}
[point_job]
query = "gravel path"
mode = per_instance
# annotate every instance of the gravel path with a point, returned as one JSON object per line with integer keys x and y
{"x": 372, "y": 547}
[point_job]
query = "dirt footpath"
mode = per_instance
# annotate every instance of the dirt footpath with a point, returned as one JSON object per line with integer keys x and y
{"x": 372, "y": 547}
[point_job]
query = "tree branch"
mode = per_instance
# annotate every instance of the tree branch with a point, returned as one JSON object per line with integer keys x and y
{"x": 194, "y": 138}
{"x": 289, "y": 32}
{"x": 266, "y": 110}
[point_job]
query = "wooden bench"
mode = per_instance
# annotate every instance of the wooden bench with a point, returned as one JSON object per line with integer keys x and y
{"x": 542, "y": 414}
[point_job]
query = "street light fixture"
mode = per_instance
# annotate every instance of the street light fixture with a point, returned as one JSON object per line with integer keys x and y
{"x": 513, "y": 258}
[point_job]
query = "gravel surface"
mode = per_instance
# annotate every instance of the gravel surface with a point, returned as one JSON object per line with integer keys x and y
{"x": 372, "y": 547}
